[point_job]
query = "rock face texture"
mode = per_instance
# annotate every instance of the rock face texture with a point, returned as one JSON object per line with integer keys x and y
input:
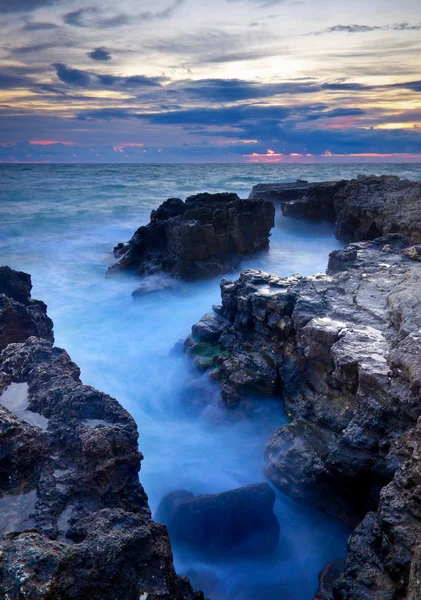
{"x": 239, "y": 521}
{"x": 362, "y": 209}
{"x": 206, "y": 235}
{"x": 344, "y": 350}
{"x": 74, "y": 519}
{"x": 21, "y": 317}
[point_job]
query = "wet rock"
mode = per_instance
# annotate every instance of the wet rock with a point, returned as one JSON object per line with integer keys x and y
{"x": 204, "y": 236}
{"x": 327, "y": 576}
{"x": 74, "y": 518}
{"x": 20, "y": 316}
{"x": 239, "y": 521}
{"x": 362, "y": 209}
{"x": 153, "y": 284}
{"x": 343, "y": 350}
{"x": 302, "y": 200}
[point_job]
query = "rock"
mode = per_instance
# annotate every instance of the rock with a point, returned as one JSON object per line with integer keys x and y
{"x": 362, "y": 209}
{"x": 20, "y": 317}
{"x": 239, "y": 521}
{"x": 153, "y": 284}
{"x": 302, "y": 200}
{"x": 74, "y": 518}
{"x": 204, "y": 236}
{"x": 343, "y": 350}
{"x": 327, "y": 576}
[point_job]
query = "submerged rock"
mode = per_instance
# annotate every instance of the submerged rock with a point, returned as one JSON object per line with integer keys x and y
{"x": 204, "y": 236}
{"x": 240, "y": 521}
{"x": 75, "y": 521}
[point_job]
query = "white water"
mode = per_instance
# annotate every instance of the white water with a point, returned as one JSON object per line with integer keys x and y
{"x": 60, "y": 223}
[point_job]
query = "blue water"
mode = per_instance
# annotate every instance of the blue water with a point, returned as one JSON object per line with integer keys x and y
{"x": 60, "y": 223}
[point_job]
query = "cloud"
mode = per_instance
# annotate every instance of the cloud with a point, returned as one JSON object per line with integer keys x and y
{"x": 72, "y": 77}
{"x": 87, "y": 79}
{"x": 100, "y": 54}
{"x": 93, "y": 17}
{"x": 354, "y": 28}
{"x": 267, "y": 3}
{"x": 11, "y": 79}
{"x": 38, "y": 26}
{"x": 14, "y": 6}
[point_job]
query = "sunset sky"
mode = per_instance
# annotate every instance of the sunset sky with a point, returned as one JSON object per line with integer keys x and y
{"x": 210, "y": 80}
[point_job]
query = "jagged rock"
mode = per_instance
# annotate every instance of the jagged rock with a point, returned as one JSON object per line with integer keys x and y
{"x": 238, "y": 521}
{"x": 206, "y": 235}
{"x": 327, "y": 576}
{"x": 362, "y": 209}
{"x": 343, "y": 350}
{"x": 302, "y": 200}
{"x": 74, "y": 518}
{"x": 383, "y": 559}
{"x": 21, "y": 317}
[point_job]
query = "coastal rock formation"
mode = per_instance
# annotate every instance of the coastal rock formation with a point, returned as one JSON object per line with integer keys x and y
{"x": 75, "y": 521}
{"x": 21, "y": 317}
{"x": 206, "y": 235}
{"x": 341, "y": 349}
{"x": 362, "y": 209}
{"x": 240, "y": 521}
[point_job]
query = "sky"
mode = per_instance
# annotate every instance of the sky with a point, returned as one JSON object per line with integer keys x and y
{"x": 210, "y": 81}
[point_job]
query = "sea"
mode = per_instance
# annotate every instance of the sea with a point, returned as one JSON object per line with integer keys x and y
{"x": 60, "y": 223}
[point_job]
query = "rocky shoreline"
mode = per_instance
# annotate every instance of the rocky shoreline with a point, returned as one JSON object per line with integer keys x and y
{"x": 75, "y": 521}
{"x": 344, "y": 350}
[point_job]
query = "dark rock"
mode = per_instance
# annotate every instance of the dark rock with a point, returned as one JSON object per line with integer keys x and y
{"x": 74, "y": 518}
{"x": 200, "y": 238}
{"x": 20, "y": 317}
{"x": 362, "y": 209}
{"x": 327, "y": 576}
{"x": 342, "y": 348}
{"x": 302, "y": 200}
{"x": 239, "y": 521}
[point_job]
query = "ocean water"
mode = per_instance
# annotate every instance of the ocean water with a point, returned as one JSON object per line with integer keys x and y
{"x": 60, "y": 223}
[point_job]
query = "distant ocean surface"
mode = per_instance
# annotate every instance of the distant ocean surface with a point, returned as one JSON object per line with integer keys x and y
{"x": 60, "y": 223}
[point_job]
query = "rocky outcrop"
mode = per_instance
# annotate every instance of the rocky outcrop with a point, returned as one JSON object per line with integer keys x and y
{"x": 302, "y": 200}
{"x": 343, "y": 349}
{"x": 362, "y": 209}
{"x": 75, "y": 521}
{"x": 240, "y": 521}
{"x": 204, "y": 236}
{"x": 21, "y": 317}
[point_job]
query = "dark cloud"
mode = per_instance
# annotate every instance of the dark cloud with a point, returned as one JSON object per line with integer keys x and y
{"x": 354, "y": 28}
{"x": 13, "y": 6}
{"x": 38, "y": 26}
{"x": 100, "y": 54}
{"x": 72, "y": 77}
{"x": 11, "y": 79}
{"x": 87, "y": 79}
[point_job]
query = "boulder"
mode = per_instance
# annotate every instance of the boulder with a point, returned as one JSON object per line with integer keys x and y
{"x": 240, "y": 521}
{"x": 204, "y": 236}
{"x": 74, "y": 519}
{"x": 20, "y": 316}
